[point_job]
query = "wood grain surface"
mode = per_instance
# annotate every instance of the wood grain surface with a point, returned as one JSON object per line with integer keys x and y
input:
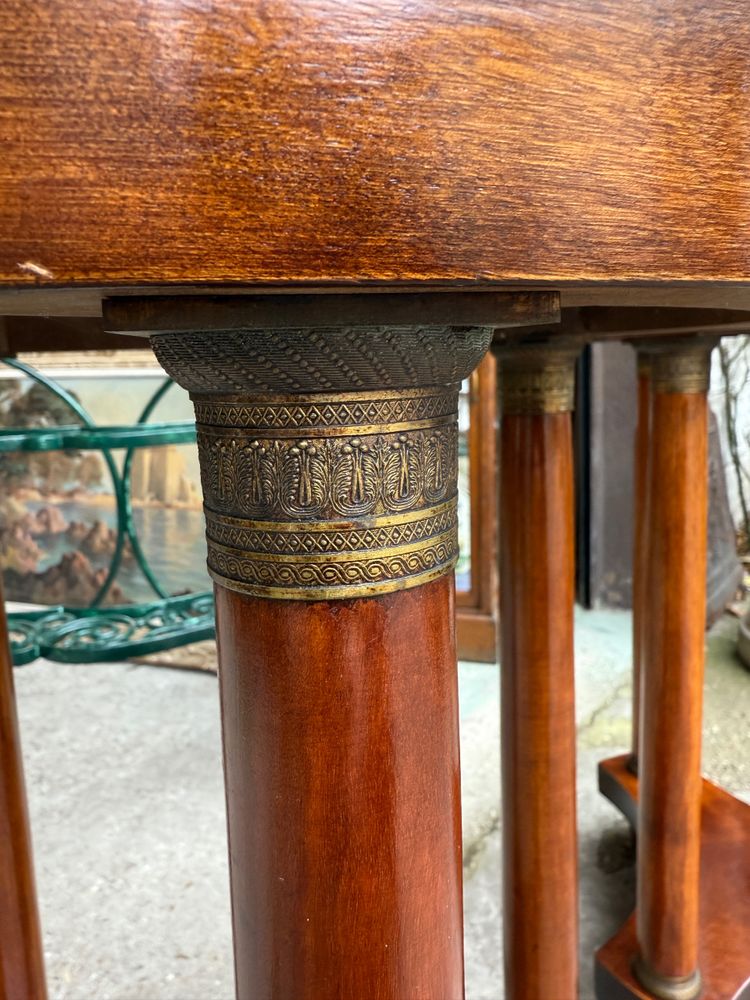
{"x": 21, "y": 955}
{"x": 540, "y": 893}
{"x": 672, "y": 655}
{"x": 723, "y": 954}
{"x": 266, "y": 141}
{"x": 640, "y": 546}
{"x": 340, "y": 724}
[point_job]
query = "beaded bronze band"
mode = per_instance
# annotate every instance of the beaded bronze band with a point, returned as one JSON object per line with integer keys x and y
{"x": 329, "y": 457}
{"x": 301, "y": 505}
{"x": 536, "y": 378}
{"x": 682, "y": 369}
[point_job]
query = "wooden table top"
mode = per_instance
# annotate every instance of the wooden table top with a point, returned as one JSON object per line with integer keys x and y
{"x": 598, "y": 147}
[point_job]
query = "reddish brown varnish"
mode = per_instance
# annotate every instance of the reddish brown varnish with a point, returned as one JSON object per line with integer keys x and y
{"x": 340, "y": 730}
{"x": 672, "y": 685}
{"x": 477, "y": 609}
{"x": 640, "y": 545}
{"x": 723, "y": 954}
{"x": 252, "y": 142}
{"x": 21, "y": 956}
{"x": 538, "y": 722}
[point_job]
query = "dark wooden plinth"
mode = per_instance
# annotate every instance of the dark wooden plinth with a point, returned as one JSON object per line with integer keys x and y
{"x": 724, "y": 934}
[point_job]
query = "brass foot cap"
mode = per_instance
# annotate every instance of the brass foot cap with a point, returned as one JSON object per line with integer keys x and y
{"x": 668, "y": 987}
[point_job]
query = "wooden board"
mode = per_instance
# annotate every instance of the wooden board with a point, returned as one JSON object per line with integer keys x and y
{"x": 263, "y": 141}
{"x": 724, "y": 954}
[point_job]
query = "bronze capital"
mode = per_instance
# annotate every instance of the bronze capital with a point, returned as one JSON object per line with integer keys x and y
{"x": 320, "y": 495}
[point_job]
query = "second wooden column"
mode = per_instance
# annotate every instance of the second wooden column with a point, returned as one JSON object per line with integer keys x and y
{"x": 540, "y": 909}
{"x": 669, "y": 818}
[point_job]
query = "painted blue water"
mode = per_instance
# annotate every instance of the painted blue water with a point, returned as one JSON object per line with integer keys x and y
{"x": 172, "y": 539}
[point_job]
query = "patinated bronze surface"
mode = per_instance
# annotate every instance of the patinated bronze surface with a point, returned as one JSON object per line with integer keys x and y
{"x": 680, "y": 367}
{"x": 537, "y": 377}
{"x": 329, "y": 494}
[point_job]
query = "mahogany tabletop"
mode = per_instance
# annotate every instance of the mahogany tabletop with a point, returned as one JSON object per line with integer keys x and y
{"x": 598, "y": 147}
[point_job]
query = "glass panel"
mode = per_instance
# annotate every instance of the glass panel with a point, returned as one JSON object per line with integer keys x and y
{"x": 58, "y": 509}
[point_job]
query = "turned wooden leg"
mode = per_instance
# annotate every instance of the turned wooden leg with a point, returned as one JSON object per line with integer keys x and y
{"x": 672, "y": 685}
{"x": 640, "y": 543}
{"x": 689, "y": 935}
{"x": 540, "y": 910}
{"x": 331, "y": 524}
{"x": 21, "y": 955}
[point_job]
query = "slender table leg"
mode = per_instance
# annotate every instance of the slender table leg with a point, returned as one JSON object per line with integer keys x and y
{"x": 540, "y": 910}
{"x": 331, "y": 523}
{"x": 672, "y": 689}
{"x": 640, "y": 543}
{"x": 689, "y": 935}
{"x": 21, "y": 955}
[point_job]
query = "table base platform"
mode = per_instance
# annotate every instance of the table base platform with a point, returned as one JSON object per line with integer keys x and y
{"x": 725, "y": 895}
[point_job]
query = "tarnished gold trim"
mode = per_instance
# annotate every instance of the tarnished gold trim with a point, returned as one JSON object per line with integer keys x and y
{"x": 352, "y": 410}
{"x": 325, "y": 398}
{"x": 294, "y": 527}
{"x": 329, "y": 456}
{"x": 545, "y": 390}
{"x": 667, "y": 987}
{"x": 386, "y": 568}
{"x": 318, "y": 477}
{"x": 346, "y": 592}
{"x": 537, "y": 377}
{"x": 683, "y": 369}
{"x": 330, "y": 538}
{"x": 355, "y": 430}
{"x": 304, "y": 503}
{"x": 343, "y": 555}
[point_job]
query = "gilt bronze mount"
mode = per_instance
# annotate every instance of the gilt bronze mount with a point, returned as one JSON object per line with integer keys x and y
{"x": 537, "y": 377}
{"x": 334, "y": 494}
{"x": 314, "y": 510}
{"x": 667, "y": 988}
{"x": 679, "y": 364}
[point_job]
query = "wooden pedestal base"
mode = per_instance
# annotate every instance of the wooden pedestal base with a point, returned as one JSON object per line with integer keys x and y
{"x": 724, "y": 951}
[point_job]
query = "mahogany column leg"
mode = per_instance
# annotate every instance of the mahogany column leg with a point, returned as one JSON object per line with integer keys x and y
{"x": 540, "y": 910}
{"x": 689, "y": 935}
{"x": 672, "y": 688}
{"x": 21, "y": 955}
{"x": 331, "y": 524}
{"x": 640, "y": 544}
{"x": 341, "y": 756}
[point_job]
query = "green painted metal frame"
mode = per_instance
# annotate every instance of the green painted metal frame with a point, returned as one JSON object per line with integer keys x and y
{"x": 95, "y": 634}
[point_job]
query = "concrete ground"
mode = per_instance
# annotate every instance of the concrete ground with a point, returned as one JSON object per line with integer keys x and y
{"x": 124, "y": 775}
